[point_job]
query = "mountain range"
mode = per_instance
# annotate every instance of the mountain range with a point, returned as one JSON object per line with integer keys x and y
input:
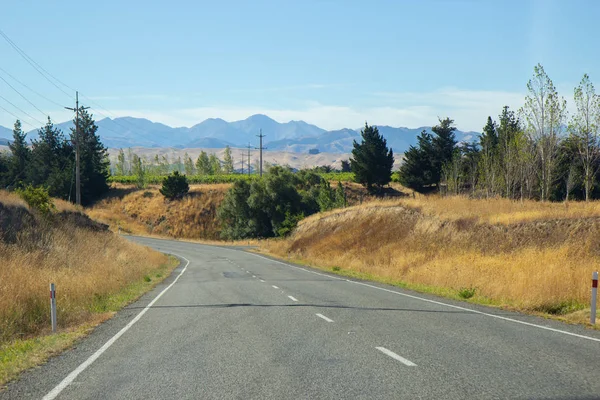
{"x": 293, "y": 136}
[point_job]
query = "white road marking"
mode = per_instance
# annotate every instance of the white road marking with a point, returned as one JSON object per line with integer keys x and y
{"x": 435, "y": 302}
{"x": 254, "y": 276}
{"x": 247, "y": 272}
{"x": 261, "y": 280}
{"x": 293, "y": 298}
{"x": 396, "y": 356}
{"x": 274, "y": 287}
{"x": 71, "y": 377}
{"x": 324, "y": 317}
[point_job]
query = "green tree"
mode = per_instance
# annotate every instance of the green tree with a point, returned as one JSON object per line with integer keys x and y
{"x": 94, "y": 164}
{"x": 203, "y": 164}
{"x": 139, "y": 171}
{"x": 215, "y": 165}
{"x": 21, "y": 155}
{"x": 188, "y": 165}
{"x": 175, "y": 186}
{"x": 52, "y": 162}
{"x": 228, "y": 161}
{"x": 444, "y": 146}
{"x": 326, "y": 197}
{"x": 346, "y": 166}
{"x": 120, "y": 166}
{"x": 340, "y": 196}
{"x": 371, "y": 160}
{"x": 488, "y": 141}
{"x": 416, "y": 172}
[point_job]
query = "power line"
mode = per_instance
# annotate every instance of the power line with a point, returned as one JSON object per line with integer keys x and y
{"x": 36, "y": 66}
{"x": 33, "y": 118}
{"x": 30, "y": 89}
{"x": 17, "y": 117}
{"x": 25, "y": 98}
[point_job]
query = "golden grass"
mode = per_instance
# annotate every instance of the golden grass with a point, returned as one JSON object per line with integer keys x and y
{"x": 529, "y": 256}
{"x": 146, "y": 212}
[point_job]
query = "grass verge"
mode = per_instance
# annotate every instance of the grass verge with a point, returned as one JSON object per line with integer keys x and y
{"x": 22, "y": 354}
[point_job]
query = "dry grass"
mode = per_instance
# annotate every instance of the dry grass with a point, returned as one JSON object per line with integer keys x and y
{"x": 529, "y": 256}
{"x": 87, "y": 264}
{"x": 146, "y": 212}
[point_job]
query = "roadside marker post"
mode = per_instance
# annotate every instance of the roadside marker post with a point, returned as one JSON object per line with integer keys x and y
{"x": 594, "y": 296}
{"x": 53, "y": 307}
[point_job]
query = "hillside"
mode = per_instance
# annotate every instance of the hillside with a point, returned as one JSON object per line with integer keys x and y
{"x": 530, "y": 256}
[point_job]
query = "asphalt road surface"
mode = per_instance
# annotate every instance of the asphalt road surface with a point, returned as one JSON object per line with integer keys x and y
{"x": 228, "y": 324}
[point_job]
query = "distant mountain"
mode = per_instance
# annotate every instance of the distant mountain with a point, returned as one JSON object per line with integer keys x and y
{"x": 293, "y": 136}
{"x": 4, "y": 142}
{"x": 5, "y": 133}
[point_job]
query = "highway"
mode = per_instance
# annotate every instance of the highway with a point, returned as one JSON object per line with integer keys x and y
{"x": 229, "y": 324}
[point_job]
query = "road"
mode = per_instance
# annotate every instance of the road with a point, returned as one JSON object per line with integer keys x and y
{"x": 233, "y": 325}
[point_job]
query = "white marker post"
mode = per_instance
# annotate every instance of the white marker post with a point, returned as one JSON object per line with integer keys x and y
{"x": 594, "y": 296}
{"x": 53, "y": 306}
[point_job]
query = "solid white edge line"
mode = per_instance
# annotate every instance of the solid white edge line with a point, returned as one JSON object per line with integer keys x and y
{"x": 396, "y": 356}
{"x": 274, "y": 287}
{"x": 293, "y": 298}
{"x": 324, "y": 317}
{"x": 437, "y": 302}
{"x": 71, "y": 377}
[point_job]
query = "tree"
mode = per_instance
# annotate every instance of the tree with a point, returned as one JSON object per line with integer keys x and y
{"x": 52, "y": 162}
{"x": 215, "y": 165}
{"x": 371, "y": 160}
{"x": 138, "y": 169}
{"x": 444, "y": 145}
{"x": 488, "y": 141}
{"x": 20, "y": 155}
{"x": 340, "y": 196}
{"x": 175, "y": 186}
{"x": 510, "y": 147}
{"x": 416, "y": 171}
{"x": 94, "y": 164}
{"x": 203, "y": 164}
{"x": 544, "y": 114}
{"x": 188, "y": 164}
{"x": 228, "y": 161}
{"x": 584, "y": 129}
{"x": 120, "y": 166}
{"x": 346, "y": 166}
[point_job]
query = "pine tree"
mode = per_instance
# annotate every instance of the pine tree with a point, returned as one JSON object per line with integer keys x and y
{"x": 20, "y": 155}
{"x": 416, "y": 171}
{"x": 444, "y": 145}
{"x": 203, "y": 164}
{"x": 93, "y": 159}
{"x": 228, "y": 161}
{"x": 488, "y": 141}
{"x": 174, "y": 186}
{"x": 371, "y": 160}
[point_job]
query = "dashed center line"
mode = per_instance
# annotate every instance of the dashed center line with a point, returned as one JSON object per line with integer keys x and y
{"x": 274, "y": 287}
{"x": 254, "y": 276}
{"x": 396, "y": 356}
{"x": 261, "y": 280}
{"x": 293, "y": 298}
{"x": 324, "y": 317}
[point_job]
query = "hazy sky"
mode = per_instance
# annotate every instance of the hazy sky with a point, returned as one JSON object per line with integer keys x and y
{"x": 331, "y": 63}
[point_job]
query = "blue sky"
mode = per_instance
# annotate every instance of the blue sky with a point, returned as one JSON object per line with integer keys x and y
{"x": 331, "y": 63}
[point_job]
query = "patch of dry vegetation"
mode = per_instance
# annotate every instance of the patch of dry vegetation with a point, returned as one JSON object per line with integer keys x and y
{"x": 531, "y": 256}
{"x": 147, "y": 212}
{"x": 88, "y": 264}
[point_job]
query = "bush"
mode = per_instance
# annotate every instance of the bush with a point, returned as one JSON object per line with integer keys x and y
{"x": 467, "y": 293}
{"x": 175, "y": 186}
{"x": 37, "y": 198}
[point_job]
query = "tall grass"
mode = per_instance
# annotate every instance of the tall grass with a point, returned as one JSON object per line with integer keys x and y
{"x": 86, "y": 263}
{"x": 532, "y": 256}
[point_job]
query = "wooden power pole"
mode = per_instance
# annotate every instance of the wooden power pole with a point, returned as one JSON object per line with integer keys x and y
{"x": 249, "y": 165}
{"x": 77, "y": 150}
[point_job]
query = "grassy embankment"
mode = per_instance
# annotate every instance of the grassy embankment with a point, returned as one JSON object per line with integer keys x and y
{"x": 146, "y": 212}
{"x": 95, "y": 272}
{"x": 531, "y": 256}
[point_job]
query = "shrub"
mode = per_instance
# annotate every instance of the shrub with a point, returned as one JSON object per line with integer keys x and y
{"x": 467, "y": 293}
{"x": 37, "y": 198}
{"x": 175, "y": 186}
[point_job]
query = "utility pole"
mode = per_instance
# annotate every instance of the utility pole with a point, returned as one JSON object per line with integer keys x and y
{"x": 77, "y": 170}
{"x": 249, "y": 165}
{"x": 261, "y": 136}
